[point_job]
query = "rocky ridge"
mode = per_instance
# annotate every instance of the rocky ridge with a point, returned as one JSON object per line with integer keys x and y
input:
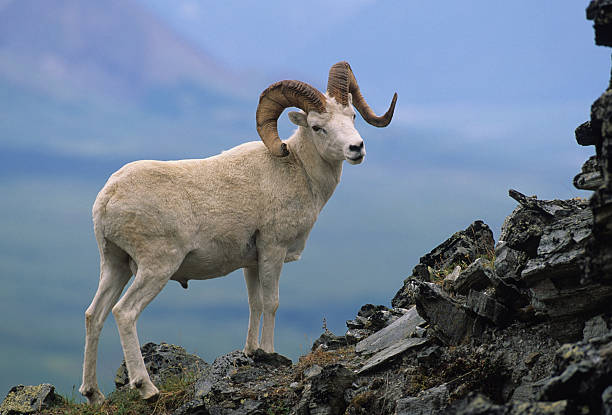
{"x": 523, "y": 325}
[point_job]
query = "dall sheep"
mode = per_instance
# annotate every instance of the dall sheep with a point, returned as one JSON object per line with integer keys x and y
{"x": 250, "y": 207}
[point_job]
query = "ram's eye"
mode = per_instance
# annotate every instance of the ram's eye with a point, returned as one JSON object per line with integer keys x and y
{"x": 316, "y": 128}
{"x": 354, "y": 116}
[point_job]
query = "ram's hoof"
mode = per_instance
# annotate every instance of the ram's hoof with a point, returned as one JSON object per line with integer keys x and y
{"x": 147, "y": 390}
{"x": 93, "y": 395}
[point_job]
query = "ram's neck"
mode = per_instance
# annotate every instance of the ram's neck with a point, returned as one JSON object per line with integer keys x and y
{"x": 323, "y": 175}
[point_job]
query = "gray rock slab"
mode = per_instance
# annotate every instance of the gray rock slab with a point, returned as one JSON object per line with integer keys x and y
{"x": 392, "y": 351}
{"x": 393, "y": 333}
{"x": 487, "y": 307}
{"x": 428, "y": 402}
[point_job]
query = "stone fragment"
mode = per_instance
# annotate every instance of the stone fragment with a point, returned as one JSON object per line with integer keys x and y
{"x": 486, "y": 307}
{"x": 585, "y": 135}
{"x": 393, "y": 333}
{"x": 311, "y": 371}
{"x": 600, "y": 11}
{"x": 450, "y": 321}
{"x": 595, "y": 327}
{"x": 28, "y": 399}
{"x": 590, "y": 177}
{"x": 392, "y": 351}
{"x": 329, "y": 341}
{"x": 606, "y": 401}
{"x": 475, "y": 277}
{"x": 430, "y": 356}
{"x": 427, "y": 402}
{"x": 164, "y": 361}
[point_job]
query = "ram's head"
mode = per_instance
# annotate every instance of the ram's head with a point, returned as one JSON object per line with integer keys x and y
{"x": 329, "y": 119}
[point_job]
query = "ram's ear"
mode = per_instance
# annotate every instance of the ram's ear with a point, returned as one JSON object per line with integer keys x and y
{"x": 298, "y": 118}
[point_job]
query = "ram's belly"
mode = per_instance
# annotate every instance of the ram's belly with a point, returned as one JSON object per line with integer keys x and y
{"x": 215, "y": 260}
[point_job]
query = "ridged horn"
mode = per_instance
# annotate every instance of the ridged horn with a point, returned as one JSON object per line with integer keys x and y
{"x": 274, "y": 100}
{"x": 341, "y": 82}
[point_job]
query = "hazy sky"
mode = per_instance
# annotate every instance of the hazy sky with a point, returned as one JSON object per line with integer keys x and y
{"x": 489, "y": 96}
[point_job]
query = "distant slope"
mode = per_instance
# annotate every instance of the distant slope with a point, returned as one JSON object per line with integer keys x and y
{"x": 115, "y": 46}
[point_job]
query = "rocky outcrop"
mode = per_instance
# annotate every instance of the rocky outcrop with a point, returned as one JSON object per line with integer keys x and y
{"x": 461, "y": 249}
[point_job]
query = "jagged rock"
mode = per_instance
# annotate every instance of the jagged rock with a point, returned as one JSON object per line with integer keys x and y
{"x": 583, "y": 371}
{"x": 509, "y": 262}
{"x": 595, "y": 327}
{"x": 600, "y": 11}
{"x": 523, "y": 228}
{"x": 461, "y": 248}
{"x": 329, "y": 341}
{"x": 562, "y": 246}
{"x": 400, "y": 329}
{"x": 478, "y": 404}
{"x": 450, "y": 321}
{"x": 485, "y": 306}
{"x": 28, "y": 399}
{"x": 220, "y": 371}
{"x": 325, "y": 394}
{"x": 476, "y": 276}
{"x": 429, "y": 401}
{"x": 590, "y": 177}
{"x": 392, "y": 351}
{"x": 164, "y": 361}
{"x": 585, "y": 136}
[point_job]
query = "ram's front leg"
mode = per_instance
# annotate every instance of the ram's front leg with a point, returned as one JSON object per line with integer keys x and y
{"x": 271, "y": 261}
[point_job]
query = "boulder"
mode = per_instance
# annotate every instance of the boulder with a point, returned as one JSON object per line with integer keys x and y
{"x": 28, "y": 399}
{"x": 164, "y": 361}
{"x": 450, "y": 321}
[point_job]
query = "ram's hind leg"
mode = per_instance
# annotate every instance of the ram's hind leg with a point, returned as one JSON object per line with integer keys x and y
{"x": 151, "y": 277}
{"x": 114, "y": 275}
{"x": 251, "y": 277}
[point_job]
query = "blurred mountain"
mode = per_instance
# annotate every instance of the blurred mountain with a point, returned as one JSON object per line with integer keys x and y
{"x": 110, "y": 78}
{"x": 112, "y": 47}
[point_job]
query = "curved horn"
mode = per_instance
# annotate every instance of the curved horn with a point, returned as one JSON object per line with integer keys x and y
{"x": 274, "y": 100}
{"x": 341, "y": 81}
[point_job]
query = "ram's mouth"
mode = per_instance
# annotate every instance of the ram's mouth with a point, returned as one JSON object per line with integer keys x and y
{"x": 355, "y": 160}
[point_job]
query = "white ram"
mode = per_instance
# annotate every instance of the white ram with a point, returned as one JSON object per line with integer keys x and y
{"x": 251, "y": 207}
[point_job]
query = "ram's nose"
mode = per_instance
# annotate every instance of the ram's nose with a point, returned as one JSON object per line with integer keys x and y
{"x": 356, "y": 152}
